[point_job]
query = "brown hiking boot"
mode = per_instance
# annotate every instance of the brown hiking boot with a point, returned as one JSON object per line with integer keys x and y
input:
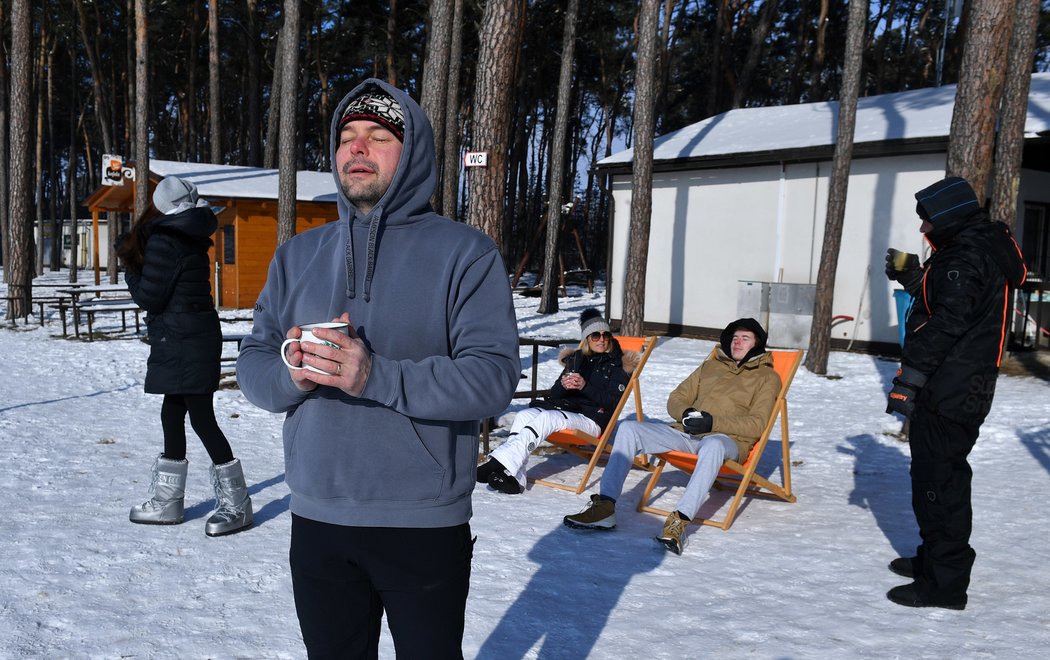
{"x": 599, "y": 514}
{"x": 673, "y": 535}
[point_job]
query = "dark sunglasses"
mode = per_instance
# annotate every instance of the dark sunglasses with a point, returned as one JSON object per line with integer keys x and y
{"x": 595, "y": 336}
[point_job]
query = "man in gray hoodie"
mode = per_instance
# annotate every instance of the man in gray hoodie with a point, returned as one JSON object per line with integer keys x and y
{"x": 381, "y": 441}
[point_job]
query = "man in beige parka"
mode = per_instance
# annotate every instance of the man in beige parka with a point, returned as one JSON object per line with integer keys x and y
{"x": 720, "y": 411}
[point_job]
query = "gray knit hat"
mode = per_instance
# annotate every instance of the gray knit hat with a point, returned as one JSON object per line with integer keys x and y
{"x": 591, "y": 321}
{"x": 173, "y": 195}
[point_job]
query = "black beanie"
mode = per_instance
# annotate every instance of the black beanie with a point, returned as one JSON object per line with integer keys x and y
{"x": 951, "y": 197}
{"x": 750, "y": 324}
{"x": 378, "y": 107}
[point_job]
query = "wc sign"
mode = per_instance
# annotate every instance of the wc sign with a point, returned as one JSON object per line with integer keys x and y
{"x": 476, "y": 159}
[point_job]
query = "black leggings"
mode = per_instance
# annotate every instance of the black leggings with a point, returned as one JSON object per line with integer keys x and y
{"x": 202, "y": 418}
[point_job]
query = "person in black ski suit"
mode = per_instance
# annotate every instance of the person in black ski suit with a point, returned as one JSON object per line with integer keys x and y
{"x": 595, "y": 376}
{"x": 953, "y": 346}
{"x": 167, "y": 272}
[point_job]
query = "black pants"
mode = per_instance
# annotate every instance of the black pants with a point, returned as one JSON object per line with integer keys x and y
{"x": 940, "y": 495}
{"x": 344, "y": 578}
{"x": 202, "y": 418}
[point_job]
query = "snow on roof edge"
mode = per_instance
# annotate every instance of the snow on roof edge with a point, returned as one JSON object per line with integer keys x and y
{"x": 243, "y": 182}
{"x": 914, "y": 114}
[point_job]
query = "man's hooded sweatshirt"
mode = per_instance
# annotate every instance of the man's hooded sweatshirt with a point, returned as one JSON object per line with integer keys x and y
{"x": 431, "y": 300}
{"x": 957, "y": 327}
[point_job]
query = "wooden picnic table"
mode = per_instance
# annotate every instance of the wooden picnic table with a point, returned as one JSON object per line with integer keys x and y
{"x": 105, "y": 298}
{"x": 17, "y": 292}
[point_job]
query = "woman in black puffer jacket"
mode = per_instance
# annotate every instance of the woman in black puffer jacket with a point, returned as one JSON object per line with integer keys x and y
{"x": 167, "y": 272}
{"x": 583, "y": 398}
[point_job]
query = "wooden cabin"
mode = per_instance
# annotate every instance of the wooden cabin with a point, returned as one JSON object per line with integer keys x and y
{"x": 245, "y": 201}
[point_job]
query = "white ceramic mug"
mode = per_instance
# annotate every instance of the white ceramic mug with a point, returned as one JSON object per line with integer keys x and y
{"x": 308, "y": 335}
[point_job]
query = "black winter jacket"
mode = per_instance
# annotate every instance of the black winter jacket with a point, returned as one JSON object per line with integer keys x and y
{"x": 606, "y": 379}
{"x": 173, "y": 287}
{"x": 957, "y": 328}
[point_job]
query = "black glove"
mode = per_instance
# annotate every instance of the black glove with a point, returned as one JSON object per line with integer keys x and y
{"x": 904, "y": 267}
{"x": 696, "y": 423}
{"x": 906, "y": 387}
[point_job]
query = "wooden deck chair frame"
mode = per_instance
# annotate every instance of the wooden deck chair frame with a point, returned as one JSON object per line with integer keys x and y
{"x": 585, "y": 445}
{"x": 742, "y": 478}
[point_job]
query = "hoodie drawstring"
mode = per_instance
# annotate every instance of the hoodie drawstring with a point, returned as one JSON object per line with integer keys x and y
{"x": 370, "y": 266}
{"x": 373, "y": 234}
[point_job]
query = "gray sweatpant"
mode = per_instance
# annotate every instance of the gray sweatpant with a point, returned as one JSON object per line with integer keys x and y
{"x": 633, "y": 438}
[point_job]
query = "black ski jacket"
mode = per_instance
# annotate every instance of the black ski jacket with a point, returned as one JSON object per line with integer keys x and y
{"x": 957, "y": 328}
{"x": 606, "y": 377}
{"x": 183, "y": 327}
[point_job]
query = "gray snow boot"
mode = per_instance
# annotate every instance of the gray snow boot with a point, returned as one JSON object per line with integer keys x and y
{"x": 167, "y": 489}
{"x": 233, "y": 506}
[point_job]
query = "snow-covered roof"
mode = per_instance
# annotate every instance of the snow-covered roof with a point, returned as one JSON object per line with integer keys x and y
{"x": 216, "y": 182}
{"x": 913, "y": 115}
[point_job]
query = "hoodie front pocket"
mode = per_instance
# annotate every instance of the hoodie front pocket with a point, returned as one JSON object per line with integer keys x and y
{"x": 359, "y": 451}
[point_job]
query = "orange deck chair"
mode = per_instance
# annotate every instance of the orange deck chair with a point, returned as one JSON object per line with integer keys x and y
{"x": 741, "y": 477}
{"x": 585, "y": 445}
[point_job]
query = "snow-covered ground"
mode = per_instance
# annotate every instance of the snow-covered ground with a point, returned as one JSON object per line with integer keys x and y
{"x": 803, "y": 580}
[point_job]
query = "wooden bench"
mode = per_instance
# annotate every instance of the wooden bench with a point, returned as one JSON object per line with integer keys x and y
{"x": 232, "y": 338}
{"x": 106, "y": 305}
{"x": 10, "y": 302}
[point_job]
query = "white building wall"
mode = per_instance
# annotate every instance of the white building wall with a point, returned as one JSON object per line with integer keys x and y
{"x": 713, "y": 228}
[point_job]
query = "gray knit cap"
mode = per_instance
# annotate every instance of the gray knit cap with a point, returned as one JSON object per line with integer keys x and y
{"x": 173, "y": 195}
{"x": 591, "y": 321}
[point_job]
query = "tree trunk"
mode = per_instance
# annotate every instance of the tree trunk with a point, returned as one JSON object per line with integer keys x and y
{"x": 816, "y": 87}
{"x": 5, "y": 243}
{"x": 717, "y": 40}
{"x": 254, "y": 127}
{"x": 286, "y": 206}
{"x": 641, "y": 171}
{"x": 71, "y": 182}
{"x": 500, "y": 41}
{"x": 979, "y": 92}
{"x": 273, "y": 119}
{"x": 450, "y": 161}
{"x": 1010, "y": 145}
{"x": 102, "y": 109}
{"x": 20, "y": 273}
{"x": 434, "y": 89}
{"x": 38, "y": 160}
{"x": 758, "y": 40}
{"x": 391, "y": 43}
{"x": 549, "y": 295}
{"x": 142, "y": 201}
{"x": 214, "y": 98}
{"x": 820, "y": 331}
{"x": 55, "y": 262}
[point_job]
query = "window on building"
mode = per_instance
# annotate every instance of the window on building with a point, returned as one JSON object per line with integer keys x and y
{"x": 1035, "y": 242}
{"x": 228, "y": 245}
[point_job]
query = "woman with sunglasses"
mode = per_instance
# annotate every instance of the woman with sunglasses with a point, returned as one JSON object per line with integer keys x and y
{"x": 583, "y": 398}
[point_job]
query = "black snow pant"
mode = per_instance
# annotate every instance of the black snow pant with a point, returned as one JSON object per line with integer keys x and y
{"x": 345, "y": 578}
{"x": 940, "y": 495}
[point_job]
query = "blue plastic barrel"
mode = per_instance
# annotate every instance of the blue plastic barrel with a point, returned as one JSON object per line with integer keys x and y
{"x": 904, "y": 302}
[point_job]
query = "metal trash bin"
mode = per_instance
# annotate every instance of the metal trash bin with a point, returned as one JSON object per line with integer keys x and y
{"x": 785, "y": 310}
